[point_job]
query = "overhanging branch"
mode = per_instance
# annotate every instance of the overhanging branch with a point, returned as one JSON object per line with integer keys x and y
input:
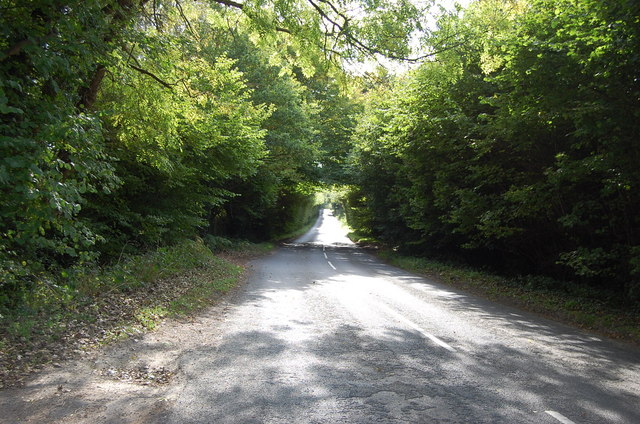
{"x": 240, "y": 6}
{"x": 16, "y": 49}
{"x": 341, "y": 28}
{"x": 155, "y": 77}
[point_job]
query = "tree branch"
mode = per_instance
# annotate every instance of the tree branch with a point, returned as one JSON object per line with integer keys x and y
{"x": 158, "y": 79}
{"x": 17, "y": 48}
{"x": 240, "y": 6}
{"x": 230, "y": 3}
{"x": 342, "y": 29}
{"x": 89, "y": 94}
{"x": 184, "y": 18}
{"x": 324, "y": 15}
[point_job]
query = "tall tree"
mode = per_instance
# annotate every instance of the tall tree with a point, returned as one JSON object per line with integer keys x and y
{"x": 516, "y": 147}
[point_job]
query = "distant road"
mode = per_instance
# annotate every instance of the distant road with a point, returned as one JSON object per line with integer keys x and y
{"x": 323, "y": 332}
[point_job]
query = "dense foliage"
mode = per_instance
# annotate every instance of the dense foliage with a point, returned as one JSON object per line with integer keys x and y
{"x": 133, "y": 124}
{"x": 128, "y": 124}
{"x": 518, "y": 147}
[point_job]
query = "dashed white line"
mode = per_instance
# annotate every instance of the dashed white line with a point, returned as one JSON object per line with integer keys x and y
{"x": 558, "y": 416}
{"x": 416, "y": 327}
{"x": 325, "y": 255}
{"x": 331, "y": 265}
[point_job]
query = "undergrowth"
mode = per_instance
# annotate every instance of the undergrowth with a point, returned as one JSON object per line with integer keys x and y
{"x": 68, "y": 312}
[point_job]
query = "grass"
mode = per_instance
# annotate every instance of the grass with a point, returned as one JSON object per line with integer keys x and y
{"x": 219, "y": 244}
{"x": 90, "y": 306}
{"x": 595, "y": 311}
{"x": 149, "y": 316}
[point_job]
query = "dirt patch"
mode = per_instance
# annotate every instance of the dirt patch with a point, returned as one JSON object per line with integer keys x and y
{"x": 135, "y": 380}
{"x": 130, "y": 381}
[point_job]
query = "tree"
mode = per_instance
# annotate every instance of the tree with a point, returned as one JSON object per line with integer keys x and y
{"x": 515, "y": 146}
{"x": 179, "y": 131}
{"x": 128, "y": 123}
{"x": 51, "y": 144}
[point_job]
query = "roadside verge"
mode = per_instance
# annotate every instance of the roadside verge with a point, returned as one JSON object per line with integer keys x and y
{"x": 547, "y": 297}
{"x": 98, "y": 306}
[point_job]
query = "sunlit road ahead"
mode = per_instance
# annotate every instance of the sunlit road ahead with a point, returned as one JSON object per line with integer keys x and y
{"x": 325, "y": 333}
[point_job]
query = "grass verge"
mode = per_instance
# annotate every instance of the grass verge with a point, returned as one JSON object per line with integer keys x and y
{"x": 558, "y": 300}
{"x": 69, "y": 314}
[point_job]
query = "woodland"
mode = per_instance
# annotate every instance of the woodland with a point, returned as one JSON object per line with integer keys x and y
{"x": 506, "y": 135}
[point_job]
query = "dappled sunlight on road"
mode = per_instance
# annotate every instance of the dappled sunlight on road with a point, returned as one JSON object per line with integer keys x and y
{"x": 325, "y": 332}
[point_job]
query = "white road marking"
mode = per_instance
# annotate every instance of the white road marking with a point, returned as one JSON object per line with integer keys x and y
{"x": 558, "y": 416}
{"x": 325, "y": 256}
{"x": 416, "y": 327}
{"x": 324, "y": 248}
{"x": 331, "y": 265}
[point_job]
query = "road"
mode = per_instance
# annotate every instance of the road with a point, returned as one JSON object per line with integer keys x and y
{"x": 323, "y": 332}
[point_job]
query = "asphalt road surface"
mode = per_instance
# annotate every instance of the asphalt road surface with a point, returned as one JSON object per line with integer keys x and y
{"x": 323, "y": 332}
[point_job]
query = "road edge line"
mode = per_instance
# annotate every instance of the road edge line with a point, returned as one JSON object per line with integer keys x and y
{"x": 558, "y": 416}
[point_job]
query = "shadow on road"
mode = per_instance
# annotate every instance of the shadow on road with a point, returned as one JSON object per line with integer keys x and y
{"x": 295, "y": 370}
{"x": 302, "y": 345}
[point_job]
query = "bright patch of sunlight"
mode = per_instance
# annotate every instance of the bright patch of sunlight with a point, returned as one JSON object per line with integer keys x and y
{"x": 331, "y": 231}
